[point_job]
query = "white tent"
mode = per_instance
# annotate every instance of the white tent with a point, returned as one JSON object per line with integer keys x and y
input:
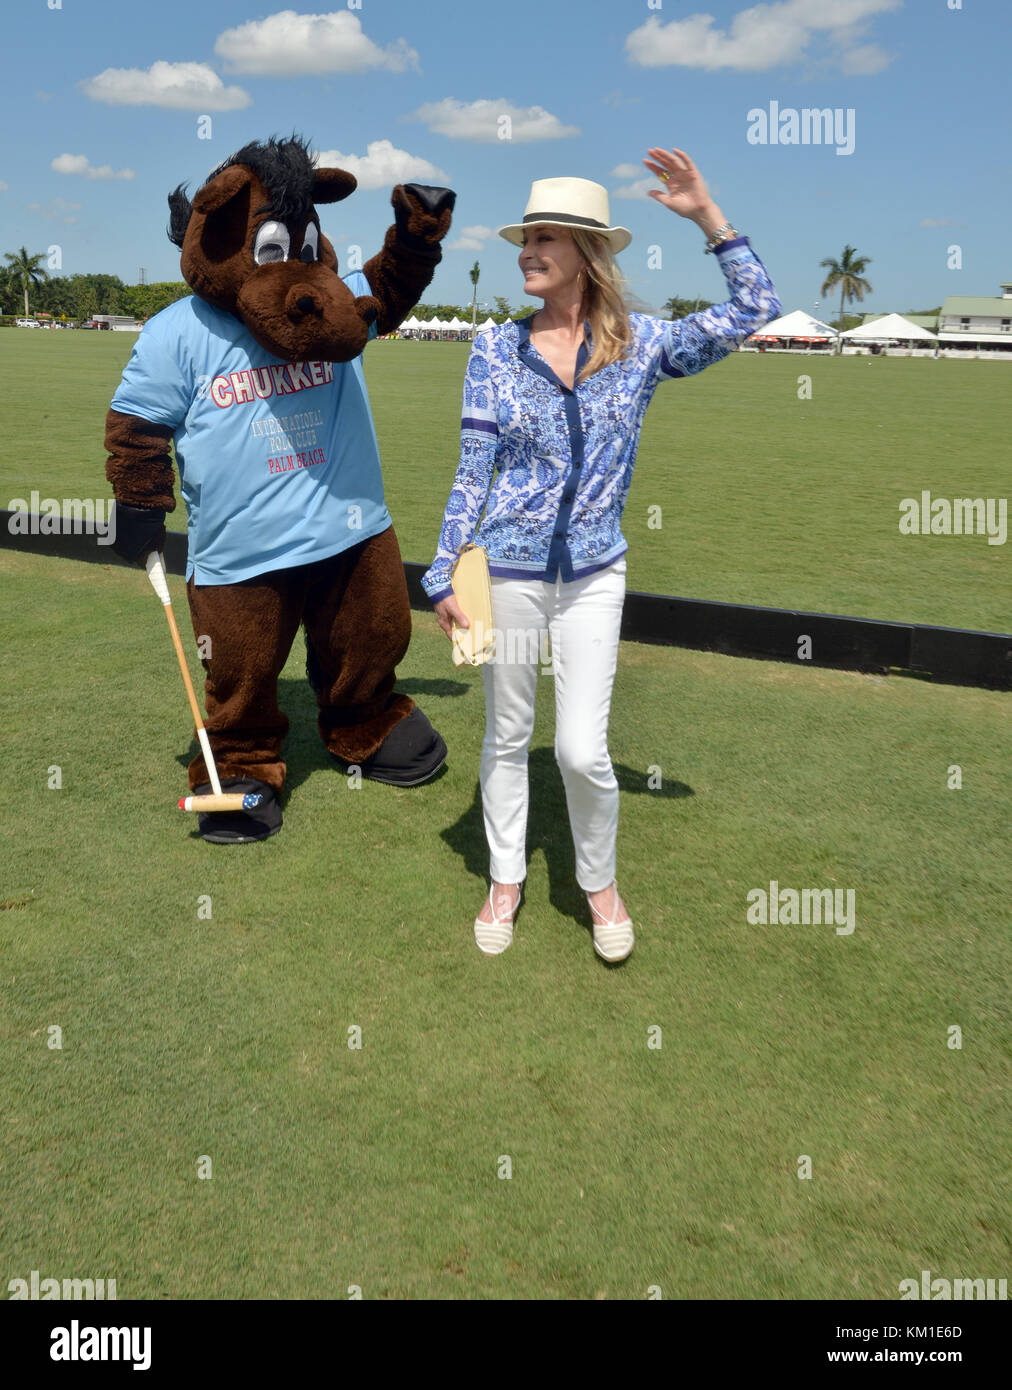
{"x": 489, "y": 323}
{"x": 889, "y": 328}
{"x": 456, "y": 324}
{"x": 795, "y": 325}
{"x": 412, "y": 322}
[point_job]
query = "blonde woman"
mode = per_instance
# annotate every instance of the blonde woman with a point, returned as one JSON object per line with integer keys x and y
{"x": 553, "y": 407}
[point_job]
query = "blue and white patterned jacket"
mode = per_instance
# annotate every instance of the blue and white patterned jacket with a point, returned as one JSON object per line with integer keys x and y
{"x": 551, "y": 467}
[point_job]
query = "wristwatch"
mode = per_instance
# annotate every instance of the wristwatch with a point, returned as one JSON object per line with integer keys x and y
{"x": 724, "y": 233}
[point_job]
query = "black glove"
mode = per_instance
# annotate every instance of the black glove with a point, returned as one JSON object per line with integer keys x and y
{"x": 139, "y": 530}
{"x": 434, "y": 202}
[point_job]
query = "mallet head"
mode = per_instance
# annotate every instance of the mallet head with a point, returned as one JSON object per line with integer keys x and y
{"x": 226, "y": 801}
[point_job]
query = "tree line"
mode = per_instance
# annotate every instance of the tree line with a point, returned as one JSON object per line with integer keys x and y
{"x": 27, "y": 287}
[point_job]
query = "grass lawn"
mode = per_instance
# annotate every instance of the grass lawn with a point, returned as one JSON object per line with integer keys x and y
{"x": 186, "y": 1036}
{"x": 764, "y": 498}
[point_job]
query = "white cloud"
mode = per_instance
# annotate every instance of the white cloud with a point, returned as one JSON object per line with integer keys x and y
{"x": 762, "y": 36}
{"x": 58, "y": 209}
{"x": 865, "y": 60}
{"x": 177, "y": 86}
{"x": 939, "y": 222}
{"x": 482, "y": 120}
{"x": 639, "y": 189}
{"x": 626, "y": 171}
{"x": 78, "y": 164}
{"x": 290, "y": 45}
{"x": 471, "y": 238}
{"x": 383, "y": 165}
{"x": 3, "y": 186}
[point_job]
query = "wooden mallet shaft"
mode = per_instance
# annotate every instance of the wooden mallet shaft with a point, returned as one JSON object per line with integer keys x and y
{"x": 177, "y": 642}
{"x": 156, "y": 573}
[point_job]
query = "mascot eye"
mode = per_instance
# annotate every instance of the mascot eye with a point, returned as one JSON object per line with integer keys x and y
{"x": 311, "y": 246}
{"x": 272, "y": 243}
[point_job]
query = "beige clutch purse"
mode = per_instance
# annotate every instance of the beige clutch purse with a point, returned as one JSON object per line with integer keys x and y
{"x": 473, "y": 591}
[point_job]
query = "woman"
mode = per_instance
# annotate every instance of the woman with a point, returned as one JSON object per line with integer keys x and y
{"x": 553, "y": 407}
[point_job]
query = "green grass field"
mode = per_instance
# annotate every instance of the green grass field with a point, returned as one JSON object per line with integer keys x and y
{"x": 765, "y": 498}
{"x": 186, "y": 1036}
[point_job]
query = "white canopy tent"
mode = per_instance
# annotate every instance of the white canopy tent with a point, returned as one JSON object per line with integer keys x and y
{"x": 890, "y": 328}
{"x": 797, "y": 324}
{"x": 415, "y": 326}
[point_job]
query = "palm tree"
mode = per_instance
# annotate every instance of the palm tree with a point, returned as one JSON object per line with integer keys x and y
{"x": 847, "y": 273}
{"x": 475, "y": 272}
{"x": 676, "y": 308}
{"x": 26, "y": 270}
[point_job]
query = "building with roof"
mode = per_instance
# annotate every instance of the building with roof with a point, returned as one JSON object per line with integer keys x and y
{"x": 977, "y": 325}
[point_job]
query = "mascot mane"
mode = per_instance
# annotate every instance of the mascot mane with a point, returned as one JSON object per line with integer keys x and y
{"x": 285, "y": 168}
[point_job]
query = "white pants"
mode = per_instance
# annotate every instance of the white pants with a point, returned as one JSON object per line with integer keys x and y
{"x": 581, "y": 620}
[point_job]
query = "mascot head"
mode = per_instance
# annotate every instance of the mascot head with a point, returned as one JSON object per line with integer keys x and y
{"x": 251, "y": 244}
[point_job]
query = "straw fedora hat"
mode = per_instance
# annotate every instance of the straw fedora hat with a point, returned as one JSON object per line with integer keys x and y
{"x": 568, "y": 203}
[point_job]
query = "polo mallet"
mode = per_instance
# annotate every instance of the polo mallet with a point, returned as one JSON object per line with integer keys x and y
{"x": 220, "y": 801}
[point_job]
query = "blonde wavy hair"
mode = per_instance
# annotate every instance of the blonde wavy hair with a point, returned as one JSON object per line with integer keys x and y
{"x": 604, "y": 303}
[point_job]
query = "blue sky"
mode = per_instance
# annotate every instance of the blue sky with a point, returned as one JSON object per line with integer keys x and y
{"x": 102, "y": 106}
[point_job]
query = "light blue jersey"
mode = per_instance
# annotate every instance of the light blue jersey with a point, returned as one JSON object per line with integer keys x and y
{"x": 278, "y": 461}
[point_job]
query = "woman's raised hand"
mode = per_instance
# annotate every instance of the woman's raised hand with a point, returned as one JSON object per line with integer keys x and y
{"x": 684, "y": 190}
{"x": 449, "y": 611}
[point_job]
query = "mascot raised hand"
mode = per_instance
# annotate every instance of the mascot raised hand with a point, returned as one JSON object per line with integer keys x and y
{"x": 256, "y": 381}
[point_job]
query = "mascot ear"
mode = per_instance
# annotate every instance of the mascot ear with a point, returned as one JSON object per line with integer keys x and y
{"x": 216, "y": 193}
{"x": 224, "y": 205}
{"x": 331, "y": 185}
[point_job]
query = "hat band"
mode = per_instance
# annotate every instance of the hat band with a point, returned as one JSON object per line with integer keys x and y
{"x": 565, "y": 217}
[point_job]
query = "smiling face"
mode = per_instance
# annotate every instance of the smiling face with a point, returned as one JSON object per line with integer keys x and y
{"x": 550, "y": 261}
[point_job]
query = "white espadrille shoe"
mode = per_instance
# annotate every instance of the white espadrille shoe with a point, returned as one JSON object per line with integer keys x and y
{"x": 613, "y": 941}
{"x": 496, "y": 936}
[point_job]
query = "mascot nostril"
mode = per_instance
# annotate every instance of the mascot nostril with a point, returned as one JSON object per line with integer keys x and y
{"x": 303, "y": 300}
{"x": 257, "y": 379}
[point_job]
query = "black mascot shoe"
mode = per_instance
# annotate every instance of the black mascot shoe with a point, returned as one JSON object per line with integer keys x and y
{"x": 411, "y": 753}
{"x": 240, "y": 827}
